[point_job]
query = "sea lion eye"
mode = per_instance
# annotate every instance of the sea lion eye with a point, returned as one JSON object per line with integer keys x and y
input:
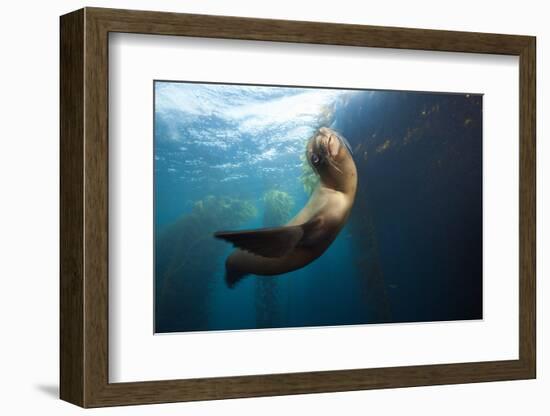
{"x": 315, "y": 159}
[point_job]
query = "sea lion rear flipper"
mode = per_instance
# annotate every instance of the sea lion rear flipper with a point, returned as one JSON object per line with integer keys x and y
{"x": 267, "y": 242}
{"x": 232, "y": 277}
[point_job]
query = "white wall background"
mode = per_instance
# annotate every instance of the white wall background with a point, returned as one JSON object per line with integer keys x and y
{"x": 29, "y": 212}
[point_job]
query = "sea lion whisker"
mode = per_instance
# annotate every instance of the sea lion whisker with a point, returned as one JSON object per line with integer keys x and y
{"x": 331, "y": 162}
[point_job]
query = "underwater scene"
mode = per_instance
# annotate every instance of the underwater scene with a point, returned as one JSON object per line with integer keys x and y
{"x": 280, "y": 207}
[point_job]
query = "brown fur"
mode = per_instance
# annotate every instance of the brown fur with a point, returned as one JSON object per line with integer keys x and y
{"x": 330, "y": 204}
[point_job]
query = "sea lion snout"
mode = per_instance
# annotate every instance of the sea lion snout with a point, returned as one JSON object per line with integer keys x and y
{"x": 328, "y": 143}
{"x": 330, "y": 156}
{"x": 327, "y": 149}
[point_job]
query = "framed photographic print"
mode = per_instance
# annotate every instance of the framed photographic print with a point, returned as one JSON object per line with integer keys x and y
{"x": 255, "y": 207}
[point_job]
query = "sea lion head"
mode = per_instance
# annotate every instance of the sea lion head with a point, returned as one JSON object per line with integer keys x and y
{"x": 330, "y": 156}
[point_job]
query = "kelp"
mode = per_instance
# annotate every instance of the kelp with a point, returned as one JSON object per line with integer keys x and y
{"x": 421, "y": 149}
{"x": 278, "y": 207}
{"x": 308, "y": 177}
{"x": 373, "y": 289}
{"x": 186, "y": 258}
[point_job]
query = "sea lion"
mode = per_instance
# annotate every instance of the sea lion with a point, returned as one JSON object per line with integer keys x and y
{"x": 273, "y": 251}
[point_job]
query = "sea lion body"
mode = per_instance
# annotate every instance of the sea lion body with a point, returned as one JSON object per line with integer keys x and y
{"x": 273, "y": 251}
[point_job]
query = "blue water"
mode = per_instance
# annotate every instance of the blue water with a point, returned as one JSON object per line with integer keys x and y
{"x": 411, "y": 250}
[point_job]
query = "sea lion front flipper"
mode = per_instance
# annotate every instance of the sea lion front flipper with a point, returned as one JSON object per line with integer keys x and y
{"x": 267, "y": 242}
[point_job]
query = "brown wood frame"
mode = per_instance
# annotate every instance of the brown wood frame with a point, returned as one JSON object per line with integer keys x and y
{"x": 84, "y": 207}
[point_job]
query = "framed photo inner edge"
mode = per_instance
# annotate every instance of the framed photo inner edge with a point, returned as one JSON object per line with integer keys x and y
{"x": 84, "y": 207}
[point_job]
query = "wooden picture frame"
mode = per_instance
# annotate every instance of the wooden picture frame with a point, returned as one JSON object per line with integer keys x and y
{"x": 84, "y": 207}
